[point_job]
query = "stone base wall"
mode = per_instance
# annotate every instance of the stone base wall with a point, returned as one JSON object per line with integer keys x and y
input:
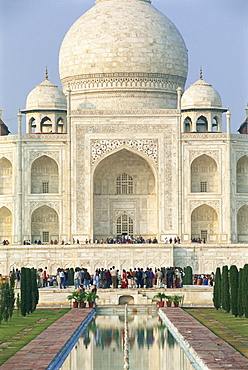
{"x": 203, "y": 258}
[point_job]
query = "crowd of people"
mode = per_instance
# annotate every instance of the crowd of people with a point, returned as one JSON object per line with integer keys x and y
{"x": 106, "y": 278}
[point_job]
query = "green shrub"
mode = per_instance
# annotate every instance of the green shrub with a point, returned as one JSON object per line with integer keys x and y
{"x": 217, "y": 289}
{"x": 234, "y": 288}
{"x": 225, "y": 290}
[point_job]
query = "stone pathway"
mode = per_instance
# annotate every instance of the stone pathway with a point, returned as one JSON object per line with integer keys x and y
{"x": 39, "y": 353}
{"x": 213, "y": 351}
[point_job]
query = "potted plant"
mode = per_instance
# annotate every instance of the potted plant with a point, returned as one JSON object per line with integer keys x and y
{"x": 74, "y": 296}
{"x": 169, "y": 300}
{"x": 90, "y": 298}
{"x": 160, "y": 296}
{"x": 82, "y": 299}
{"x": 176, "y": 300}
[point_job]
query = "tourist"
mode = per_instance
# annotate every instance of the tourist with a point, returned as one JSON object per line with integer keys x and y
{"x": 113, "y": 273}
{"x": 76, "y": 279}
{"x": 87, "y": 279}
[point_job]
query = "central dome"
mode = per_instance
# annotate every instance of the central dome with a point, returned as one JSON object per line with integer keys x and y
{"x": 118, "y": 40}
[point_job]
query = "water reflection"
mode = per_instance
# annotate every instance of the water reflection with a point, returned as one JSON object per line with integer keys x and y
{"x": 152, "y": 346}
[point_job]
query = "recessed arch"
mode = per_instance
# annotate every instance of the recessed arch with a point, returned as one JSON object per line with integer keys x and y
{"x": 5, "y": 224}
{"x": 140, "y": 204}
{"x": 242, "y": 224}
{"x": 31, "y": 125}
{"x": 201, "y": 124}
{"x": 242, "y": 175}
{"x": 5, "y": 176}
{"x": 44, "y": 176}
{"x": 187, "y": 125}
{"x": 204, "y": 175}
{"x": 44, "y": 224}
{"x": 215, "y": 124}
{"x": 46, "y": 124}
{"x": 204, "y": 223}
{"x": 60, "y": 125}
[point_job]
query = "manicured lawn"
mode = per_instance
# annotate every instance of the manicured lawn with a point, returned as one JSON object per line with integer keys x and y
{"x": 19, "y": 331}
{"x": 228, "y": 327}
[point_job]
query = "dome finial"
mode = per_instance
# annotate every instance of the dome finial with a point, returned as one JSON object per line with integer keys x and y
{"x": 46, "y": 75}
{"x": 200, "y": 72}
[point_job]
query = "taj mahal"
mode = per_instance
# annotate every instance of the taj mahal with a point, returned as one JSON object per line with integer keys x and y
{"x": 124, "y": 149}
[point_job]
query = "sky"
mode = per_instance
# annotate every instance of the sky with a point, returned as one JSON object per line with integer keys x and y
{"x": 215, "y": 33}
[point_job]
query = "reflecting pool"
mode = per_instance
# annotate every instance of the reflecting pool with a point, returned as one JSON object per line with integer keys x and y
{"x": 151, "y": 345}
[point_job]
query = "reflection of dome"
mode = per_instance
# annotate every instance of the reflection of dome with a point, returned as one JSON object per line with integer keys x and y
{"x": 46, "y": 96}
{"x": 201, "y": 95}
{"x": 119, "y": 42}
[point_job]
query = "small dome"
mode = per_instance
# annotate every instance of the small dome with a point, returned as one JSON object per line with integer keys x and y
{"x": 46, "y": 96}
{"x": 201, "y": 95}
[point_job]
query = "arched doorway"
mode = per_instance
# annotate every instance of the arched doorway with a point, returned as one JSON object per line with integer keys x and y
{"x": 5, "y": 176}
{"x": 124, "y": 196}
{"x": 242, "y": 175}
{"x": 242, "y": 224}
{"x": 5, "y": 224}
{"x": 44, "y": 225}
{"x": 204, "y": 224}
{"x": 44, "y": 176}
{"x": 204, "y": 175}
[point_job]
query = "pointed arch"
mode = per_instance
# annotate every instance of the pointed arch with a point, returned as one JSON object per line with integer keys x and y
{"x": 31, "y": 125}
{"x": 242, "y": 224}
{"x": 187, "y": 125}
{"x": 5, "y": 224}
{"x": 124, "y": 181}
{"x": 201, "y": 124}
{"x": 44, "y": 224}
{"x": 46, "y": 124}
{"x": 60, "y": 125}
{"x": 44, "y": 176}
{"x": 204, "y": 175}
{"x": 242, "y": 175}
{"x": 6, "y": 178}
{"x": 204, "y": 223}
{"x": 215, "y": 124}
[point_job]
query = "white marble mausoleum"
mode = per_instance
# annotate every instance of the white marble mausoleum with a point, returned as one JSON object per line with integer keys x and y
{"x": 124, "y": 149}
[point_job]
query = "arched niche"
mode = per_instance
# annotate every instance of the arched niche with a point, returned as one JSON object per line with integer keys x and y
{"x": 242, "y": 224}
{"x": 204, "y": 223}
{"x": 187, "y": 125}
{"x": 242, "y": 175}
{"x": 204, "y": 175}
{"x": 139, "y": 202}
{"x": 5, "y": 177}
{"x": 46, "y": 124}
{"x": 31, "y": 125}
{"x": 5, "y": 224}
{"x": 126, "y": 299}
{"x": 60, "y": 125}
{"x": 44, "y": 176}
{"x": 215, "y": 124}
{"x": 44, "y": 225}
{"x": 201, "y": 124}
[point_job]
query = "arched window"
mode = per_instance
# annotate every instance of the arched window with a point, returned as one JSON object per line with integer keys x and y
{"x": 124, "y": 225}
{"x": 44, "y": 176}
{"x": 60, "y": 125}
{"x": 124, "y": 184}
{"x": 46, "y": 125}
{"x": 187, "y": 124}
{"x": 202, "y": 124}
{"x": 215, "y": 124}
